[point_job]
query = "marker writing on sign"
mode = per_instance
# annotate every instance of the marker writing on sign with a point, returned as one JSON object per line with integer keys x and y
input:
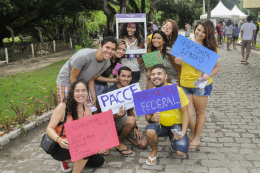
{"x": 166, "y": 90}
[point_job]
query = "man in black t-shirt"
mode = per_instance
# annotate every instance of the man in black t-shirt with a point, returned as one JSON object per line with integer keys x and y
{"x": 125, "y": 120}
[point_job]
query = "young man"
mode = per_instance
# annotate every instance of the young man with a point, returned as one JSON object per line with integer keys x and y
{"x": 86, "y": 64}
{"x": 218, "y": 27}
{"x": 248, "y": 31}
{"x": 179, "y": 143}
{"x": 125, "y": 120}
{"x": 223, "y": 27}
{"x": 187, "y": 29}
{"x": 149, "y": 29}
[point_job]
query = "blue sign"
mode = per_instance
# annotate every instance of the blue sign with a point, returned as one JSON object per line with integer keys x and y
{"x": 195, "y": 54}
{"x": 157, "y": 100}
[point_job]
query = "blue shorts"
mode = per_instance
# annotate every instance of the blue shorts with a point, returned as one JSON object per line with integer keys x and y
{"x": 198, "y": 92}
{"x": 181, "y": 145}
{"x": 229, "y": 35}
{"x": 99, "y": 89}
{"x": 255, "y": 36}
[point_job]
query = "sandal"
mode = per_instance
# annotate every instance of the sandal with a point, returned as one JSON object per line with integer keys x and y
{"x": 152, "y": 159}
{"x": 195, "y": 146}
{"x": 121, "y": 151}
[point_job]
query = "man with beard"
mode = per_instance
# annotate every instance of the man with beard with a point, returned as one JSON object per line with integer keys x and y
{"x": 86, "y": 64}
{"x": 125, "y": 121}
{"x": 179, "y": 142}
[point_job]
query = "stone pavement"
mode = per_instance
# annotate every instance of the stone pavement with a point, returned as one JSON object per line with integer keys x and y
{"x": 230, "y": 141}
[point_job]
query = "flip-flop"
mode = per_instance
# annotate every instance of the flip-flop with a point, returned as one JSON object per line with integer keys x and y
{"x": 121, "y": 151}
{"x": 194, "y": 147}
{"x": 242, "y": 61}
{"x": 246, "y": 63}
{"x": 152, "y": 159}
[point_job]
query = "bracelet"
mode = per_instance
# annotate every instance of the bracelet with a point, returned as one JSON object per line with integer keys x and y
{"x": 150, "y": 120}
{"x": 57, "y": 138}
{"x": 136, "y": 127}
{"x": 60, "y": 140}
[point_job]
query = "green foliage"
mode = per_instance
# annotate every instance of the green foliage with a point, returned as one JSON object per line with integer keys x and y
{"x": 6, "y": 122}
{"x": 21, "y": 111}
{"x": 23, "y": 130}
{"x": 157, "y": 16}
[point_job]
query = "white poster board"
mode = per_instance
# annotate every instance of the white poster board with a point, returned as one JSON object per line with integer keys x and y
{"x": 121, "y": 97}
{"x": 140, "y": 20}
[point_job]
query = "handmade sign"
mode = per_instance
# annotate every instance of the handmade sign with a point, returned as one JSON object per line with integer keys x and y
{"x": 121, "y": 97}
{"x": 135, "y": 18}
{"x": 157, "y": 100}
{"x": 153, "y": 58}
{"x": 195, "y": 54}
{"x": 117, "y": 67}
{"x": 88, "y": 135}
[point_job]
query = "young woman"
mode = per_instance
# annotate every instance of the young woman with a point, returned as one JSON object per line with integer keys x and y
{"x": 132, "y": 35}
{"x": 101, "y": 81}
{"x": 235, "y": 36}
{"x": 204, "y": 35}
{"x": 76, "y": 108}
{"x": 229, "y": 30}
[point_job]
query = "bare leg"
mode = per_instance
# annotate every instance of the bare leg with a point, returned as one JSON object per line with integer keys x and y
{"x": 130, "y": 123}
{"x": 247, "y": 56}
{"x": 191, "y": 118}
{"x": 235, "y": 43}
{"x": 200, "y": 103}
{"x": 152, "y": 138}
{"x": 243, "y": 55}
{"x": 79, "y": 165}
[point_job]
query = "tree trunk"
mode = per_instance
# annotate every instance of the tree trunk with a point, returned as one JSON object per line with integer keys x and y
{"x": 123, "y": 4}
{"x": 12, "y": 34}
{"x": 40, "y": 33}
{"x": 143, "y": 10}
{"x": 2, "y": 36}
{"x": 150, "y": 14}
{"x": 110, "y": 13}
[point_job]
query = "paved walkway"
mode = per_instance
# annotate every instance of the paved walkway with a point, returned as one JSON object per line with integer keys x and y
{"x": 230, "y": 141}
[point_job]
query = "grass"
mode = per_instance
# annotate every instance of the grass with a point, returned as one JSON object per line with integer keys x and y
{"x": 28, "y": 85}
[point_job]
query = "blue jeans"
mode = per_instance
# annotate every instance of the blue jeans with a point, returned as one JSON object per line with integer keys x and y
{"x": 181, "y": 145}
{"x": 99, "y": 89}
{"x": 197, "y": 91}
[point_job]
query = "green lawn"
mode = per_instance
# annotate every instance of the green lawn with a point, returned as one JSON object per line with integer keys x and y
{"x": 36, "y": 84}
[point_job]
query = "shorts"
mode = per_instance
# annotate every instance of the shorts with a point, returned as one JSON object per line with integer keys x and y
{"x": 197, "y": 91}
{"x": 120, "y": 124}
{"x": 219, "y": 37}
{"x": 99, "y": 89}
{"x": 235, "y": 37}
{"x": 135, "y": 77}
{"x": 62, "y": 93}
{"x": 181, "y": 145}
{"x": 229, "y": 35}
{"x": 255, "y": 36}
{"x": 246, "y": 44}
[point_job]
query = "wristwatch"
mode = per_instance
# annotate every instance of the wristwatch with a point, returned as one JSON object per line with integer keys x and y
{"x": 136, "y": 127}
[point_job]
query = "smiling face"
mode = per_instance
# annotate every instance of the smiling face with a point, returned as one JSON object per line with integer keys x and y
{"x": 80, "y": 93}
{"x": 158, "y": 77}
{"x": 121, "y": 49}
{"x": 124, "y": 78}
{"x": 200, "y": 33}
{"x": 157, "y": 41}
{"x": 167, "y": 29}
{"x": 131, "y": 29}
{"x": 107, "y": 50}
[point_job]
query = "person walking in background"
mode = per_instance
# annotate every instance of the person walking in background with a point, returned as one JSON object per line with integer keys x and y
{"x": 229, "y": 30}
{"x": 187, "y": 29}
{"x": 235, "y": 36}
{"x": 223, "y": 27}
{"x": 156, "y": 26}
{"x": 248, "y": 31}
{"x": 257, "y": 29}
{"x": 218, "y": 27}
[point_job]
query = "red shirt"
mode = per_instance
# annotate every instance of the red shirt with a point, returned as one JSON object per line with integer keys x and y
{"x": 219, "y": 27}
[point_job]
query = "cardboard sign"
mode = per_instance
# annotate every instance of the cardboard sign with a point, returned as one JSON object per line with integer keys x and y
{"x": 157, "y": 100}
{"x": 117, "y": 67}
{"x": 90, "y": 134}
{"x": 152, "y": 59}
{"x": 195, "y": 54}
{"x": 121, "y": 97}
{"x": 138, "y": 18}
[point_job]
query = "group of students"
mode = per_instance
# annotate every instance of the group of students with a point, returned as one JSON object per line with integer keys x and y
{"x": 94, "y": 67}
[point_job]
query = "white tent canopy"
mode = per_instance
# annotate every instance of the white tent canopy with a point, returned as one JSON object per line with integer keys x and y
{"x": 235, "y": 10}
{"x": 220, "y": 11}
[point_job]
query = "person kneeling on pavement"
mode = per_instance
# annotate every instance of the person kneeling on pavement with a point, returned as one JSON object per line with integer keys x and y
{"x": 179, "y": 143}
{"x": 125, "y": 120}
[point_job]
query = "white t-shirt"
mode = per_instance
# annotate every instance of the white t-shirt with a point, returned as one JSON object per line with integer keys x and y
{"x": 248, "y": 31}
{"x": 229, "y": 29}
{"x": 187, "y": 33}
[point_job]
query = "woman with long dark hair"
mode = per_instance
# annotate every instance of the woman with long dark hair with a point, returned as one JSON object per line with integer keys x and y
{"x": 204, "y": 35}
{"x": 229, "y": 29}
{"x": 75, "y": 108}
{"x": 132, "y": 36}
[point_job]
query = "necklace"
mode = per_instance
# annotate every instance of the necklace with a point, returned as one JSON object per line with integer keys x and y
{"x": 131, "y": 39}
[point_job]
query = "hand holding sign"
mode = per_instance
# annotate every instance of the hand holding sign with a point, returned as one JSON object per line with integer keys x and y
{"x": 152, "y": 59}
{"x": 194, "y": 54}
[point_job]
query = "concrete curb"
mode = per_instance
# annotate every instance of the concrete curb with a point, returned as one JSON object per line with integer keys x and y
{"x": 15, "y": 133}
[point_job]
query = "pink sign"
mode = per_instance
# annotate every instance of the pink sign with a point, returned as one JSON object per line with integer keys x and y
{"x": 117, "y": 67}
{"x": 88, "y": 135}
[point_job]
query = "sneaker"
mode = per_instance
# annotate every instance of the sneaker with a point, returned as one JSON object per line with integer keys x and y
{"x": 65, "y": 166}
